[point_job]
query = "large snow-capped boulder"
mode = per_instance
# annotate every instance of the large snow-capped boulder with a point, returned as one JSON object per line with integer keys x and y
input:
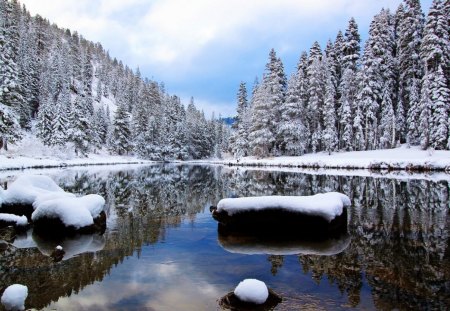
{"x": 68, "y": 213}
{"x": 318, "y": 215}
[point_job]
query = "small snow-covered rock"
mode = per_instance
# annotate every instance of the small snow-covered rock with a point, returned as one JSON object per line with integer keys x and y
{"x": 59, "y": 247}
{"x": 14, "y": 297}
{"x": 252, "y": 291}
{"x": 13, "y": 219}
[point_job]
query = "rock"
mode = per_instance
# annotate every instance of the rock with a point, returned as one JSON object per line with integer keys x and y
{"x": 231, "y": 302}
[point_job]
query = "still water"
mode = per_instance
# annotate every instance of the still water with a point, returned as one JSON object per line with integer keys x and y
{"x": 162, "y": 250}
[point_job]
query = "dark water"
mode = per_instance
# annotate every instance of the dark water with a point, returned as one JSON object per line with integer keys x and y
{"x": 162, "y": 251}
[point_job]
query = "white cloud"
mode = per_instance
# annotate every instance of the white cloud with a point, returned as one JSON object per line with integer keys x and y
{"x": 166, "y": 33}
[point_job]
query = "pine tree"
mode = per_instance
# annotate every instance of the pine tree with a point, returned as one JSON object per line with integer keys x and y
{"x": 349, "y": 86}
{"x": 316, "y": 90}
{"x": 241, "y": 125}
{"x": 292, "y": 127}
{"x": 409, "y": 37}
{"x": 435, "y": 91}
{"x": 80, "y": 121}
{"x": 265, "y": 109}
{"x": 120, "y": 139}
{"x": 10, "y": 88}
{"x": 329, "y": 135}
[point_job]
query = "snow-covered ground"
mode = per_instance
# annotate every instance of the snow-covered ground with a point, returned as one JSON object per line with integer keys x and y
{"x": 399, "y": 158}
{"x": 31, "y": 153}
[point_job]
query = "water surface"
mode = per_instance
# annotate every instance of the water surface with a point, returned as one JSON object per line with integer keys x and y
{"x": 162, "y": 249}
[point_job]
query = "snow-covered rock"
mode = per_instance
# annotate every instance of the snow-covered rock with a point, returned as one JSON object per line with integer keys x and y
{"x": 14, "y": 297}
{"x": 13, "y": 219}
{"x": 252, "y": 291}
{"x": 326, "y": 205}
{"x": 76, "y": 212}
{"x": 26, "y": 188}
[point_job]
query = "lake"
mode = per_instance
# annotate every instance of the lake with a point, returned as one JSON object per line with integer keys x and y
{"x": 162, "y": 250}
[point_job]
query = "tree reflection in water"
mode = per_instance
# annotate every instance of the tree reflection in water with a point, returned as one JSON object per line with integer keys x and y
{"x": 399, "y": 233}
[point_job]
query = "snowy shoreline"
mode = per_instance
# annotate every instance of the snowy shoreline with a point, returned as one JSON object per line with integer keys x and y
{"x": 411, "y": 159}
{"x": 399, "y": 159}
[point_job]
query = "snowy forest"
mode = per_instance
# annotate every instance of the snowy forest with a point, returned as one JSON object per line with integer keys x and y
{"x": 70, "y": 93}
{"x": 396, "y": 92}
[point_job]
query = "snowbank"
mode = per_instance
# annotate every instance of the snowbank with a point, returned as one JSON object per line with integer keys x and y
{"x": 26, "y": 188}
{"x": 325, "y": 205}
{"x": 72, "y": 211}
{"x": 401, "y": 158}
{"x": 51, "y": 203}
{"x": 252, "y": 291}
{"x": 13, "y": 219}
{"x": 14, "y": 297}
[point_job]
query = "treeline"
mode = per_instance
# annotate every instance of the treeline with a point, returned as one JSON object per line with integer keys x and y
{"x": 396, "y": 92}
{"x": 71, "y": 93}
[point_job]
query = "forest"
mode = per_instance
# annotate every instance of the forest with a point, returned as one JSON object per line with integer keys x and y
{"x": 396, "y": 92}
{"x": 70, "y": 93}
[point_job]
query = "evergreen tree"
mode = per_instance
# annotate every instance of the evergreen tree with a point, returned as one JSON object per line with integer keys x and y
{"x": 292, "y": 126}
{"x": 265, "y": 109}
{"x": 409, "y": 37}
{"x": 120, "y": 139}
{"x": 435, "y": 92}
{"x": 329, "y": 135}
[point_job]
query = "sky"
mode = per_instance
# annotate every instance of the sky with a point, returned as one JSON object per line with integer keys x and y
{"x": 205, "y": 48}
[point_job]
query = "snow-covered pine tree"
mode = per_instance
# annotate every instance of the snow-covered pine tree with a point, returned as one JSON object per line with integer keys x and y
{"x": 377, "y": 76}
{"x": 241, "y": 125}
{"x": 293, "y": 132}
{"x": 80, "y": 125}
{"x": 349, "y": 86}
{"x": 316, "y": 92}
{"x": 409, "y": 37}
{"x": 10, "y": 87}
{"x": 329, "y": 133}
{"x": 120, "y": 139}
{"x": 265, "y": 109}
{"x": 435, "y": 91}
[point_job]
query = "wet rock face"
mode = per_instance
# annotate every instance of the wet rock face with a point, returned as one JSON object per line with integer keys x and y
{"x": 54, "y": 226}
{"x": 277, "y": 221}
{"x": 231, "y": 302}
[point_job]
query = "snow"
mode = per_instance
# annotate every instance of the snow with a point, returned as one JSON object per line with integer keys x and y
{"x": 19, "y": 220}
{"x": 51, "y": 201}
{"x": 59, "y": 247}
{"x": 396, "y": 158}
{"x": 72, "y": 211}
{"x": 26, "y": 188}
{"x": 14, "y": 297}
{"x": 252, "y": 290}
{"x": 30, "y": 152}
{"x": 326, "y": 205}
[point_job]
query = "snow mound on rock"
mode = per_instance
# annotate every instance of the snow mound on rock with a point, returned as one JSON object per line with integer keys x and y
{"x": 72, "y": 211}
{"x": 14, "y": 297}
{"x": 326, "y": 205}
{"x": 252, "y": 290}
{"x": 26, "y": 188}
{"x": 18, "y": 220}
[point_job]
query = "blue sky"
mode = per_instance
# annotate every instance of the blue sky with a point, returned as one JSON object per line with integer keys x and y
{"x": 204, "y": 48}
